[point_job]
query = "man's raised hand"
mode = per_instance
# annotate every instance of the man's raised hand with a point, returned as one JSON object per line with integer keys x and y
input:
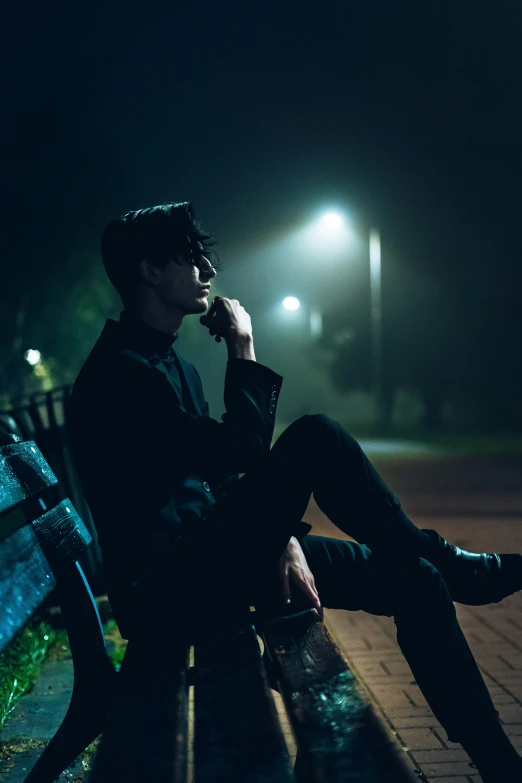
{"x": 226, "y": 319}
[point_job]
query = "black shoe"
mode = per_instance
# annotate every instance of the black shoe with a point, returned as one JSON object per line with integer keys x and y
{"x": 500, "y": 773}
{"x": 475, "y": 579}
{"x": 492, "y": 752}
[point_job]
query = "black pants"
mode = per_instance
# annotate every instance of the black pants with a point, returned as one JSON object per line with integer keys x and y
{"x": 232, "y": 557}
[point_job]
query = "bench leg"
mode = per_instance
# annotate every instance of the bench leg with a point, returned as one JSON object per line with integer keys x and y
{"x": 95, "y": 678}
{"x": 84, "y": 721}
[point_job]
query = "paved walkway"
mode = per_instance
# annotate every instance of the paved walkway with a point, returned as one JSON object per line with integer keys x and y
{"x": 494, "y": 634}
{"x": 35, "y": 720}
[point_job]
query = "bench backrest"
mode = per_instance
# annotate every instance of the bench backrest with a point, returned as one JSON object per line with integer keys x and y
{"x": 42, "y": 418}
{"x": 41, "y": 538}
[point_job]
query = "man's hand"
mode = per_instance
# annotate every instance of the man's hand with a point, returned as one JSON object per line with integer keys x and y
{"x": 293, "y": 570}
{"x": 227, "y": 319}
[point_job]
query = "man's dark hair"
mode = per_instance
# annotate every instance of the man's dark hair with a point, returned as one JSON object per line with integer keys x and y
{"x": 157, "y": 233}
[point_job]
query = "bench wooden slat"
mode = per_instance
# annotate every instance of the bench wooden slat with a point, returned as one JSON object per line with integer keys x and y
{"x": 340, "y": 738}
{"x": 26, "y": 580}
{"x": 146, "y": 735}
{"x": 24, "y": 473}
{"x": 60, "y": 531}
{"x": 237, "y": 733}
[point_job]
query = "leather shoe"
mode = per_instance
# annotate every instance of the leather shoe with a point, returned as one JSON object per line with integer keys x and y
{"x": 473, "y": 578}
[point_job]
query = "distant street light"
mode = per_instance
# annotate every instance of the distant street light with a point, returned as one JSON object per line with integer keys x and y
{"x": 333, "y": 220}
{"x": 32, "y": 356}
{"x": 291, "y": 303}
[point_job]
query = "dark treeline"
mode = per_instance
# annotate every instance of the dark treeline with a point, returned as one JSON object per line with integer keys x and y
{"x": 409, "y": 115}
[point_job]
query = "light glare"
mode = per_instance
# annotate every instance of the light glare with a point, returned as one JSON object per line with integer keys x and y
{"x": 332, "y": 220}
{"x": 32, "y": 356}
{"x": 291, "y": 303}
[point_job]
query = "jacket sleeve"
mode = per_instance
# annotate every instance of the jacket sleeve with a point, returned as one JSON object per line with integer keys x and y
{"x": 140, "y": 403}
{"x": 301, "y": 530}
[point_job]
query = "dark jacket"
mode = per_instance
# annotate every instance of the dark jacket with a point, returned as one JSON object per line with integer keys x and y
{"x": 149, "y": 457}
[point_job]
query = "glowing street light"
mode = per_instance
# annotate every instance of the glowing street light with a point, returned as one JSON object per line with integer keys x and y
{"x": 32, "y": 356}
{"x": 332, "y": 220}
{"x": 291, "y": 303}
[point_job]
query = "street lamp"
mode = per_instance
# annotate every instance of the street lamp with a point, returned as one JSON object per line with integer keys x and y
{"x": 334, "y": 220}
{"x": 376, "y": 313}
{"x": 291, "y": 303}
{"x": 315, "y": 315}
{"x": 32, "y": 356}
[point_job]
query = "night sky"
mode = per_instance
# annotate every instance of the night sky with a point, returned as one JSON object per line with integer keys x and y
{"x": 408, "y": 115}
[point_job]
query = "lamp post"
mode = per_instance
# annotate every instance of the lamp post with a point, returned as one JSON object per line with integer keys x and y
{"x": 333, "y": 220}
{"x": 376, "y": 316}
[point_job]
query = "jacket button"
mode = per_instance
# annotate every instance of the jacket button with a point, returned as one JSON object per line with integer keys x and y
{"x": 205, "y": 486}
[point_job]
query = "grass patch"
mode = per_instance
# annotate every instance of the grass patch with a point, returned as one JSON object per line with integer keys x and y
{"x": 19, "y": 668}
{"x": 500, "y": 445}
{"x": 36, "y": 642}
{"x": 20, "y": 663}
{"x": 116, "y": 646}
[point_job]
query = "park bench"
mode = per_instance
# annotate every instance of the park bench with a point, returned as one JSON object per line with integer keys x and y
{"x": 42, "y": 417}
{"x": 143, "y": 711}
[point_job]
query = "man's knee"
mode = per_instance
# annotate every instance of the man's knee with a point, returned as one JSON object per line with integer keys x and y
{"x": 317, "y": 438}
{"x": 316, "y": 420}
{"x": 421, "y": 584}
{"x": 423, "y": 572}
{"x": 315, "y": 426}
{"x": 309, "y": 430}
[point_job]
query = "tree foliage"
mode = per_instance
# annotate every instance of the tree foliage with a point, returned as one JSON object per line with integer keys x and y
{"x": 61, "y": 315}
{"x": 456, "y": 349}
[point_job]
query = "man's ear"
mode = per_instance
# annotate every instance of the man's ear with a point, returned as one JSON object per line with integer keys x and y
{"x": 149, "y": 271}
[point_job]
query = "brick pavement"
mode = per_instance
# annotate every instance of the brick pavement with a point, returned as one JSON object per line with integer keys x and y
{"x": 494, "y": 634}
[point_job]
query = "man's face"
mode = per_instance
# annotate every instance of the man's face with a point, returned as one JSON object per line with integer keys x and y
{"x": 184, "y": 282}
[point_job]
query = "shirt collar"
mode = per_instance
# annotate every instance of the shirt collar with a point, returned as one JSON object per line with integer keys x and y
{"x": 144, "y": 338}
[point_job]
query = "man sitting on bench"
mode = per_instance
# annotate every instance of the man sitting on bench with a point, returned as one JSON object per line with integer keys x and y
{"x": 180, "y": 530}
